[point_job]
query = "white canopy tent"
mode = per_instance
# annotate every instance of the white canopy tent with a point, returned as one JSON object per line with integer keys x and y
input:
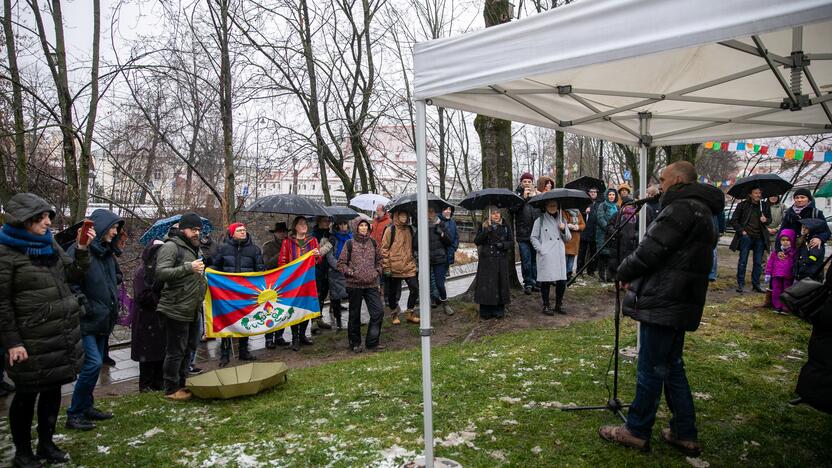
{"x": 638, "y": 72}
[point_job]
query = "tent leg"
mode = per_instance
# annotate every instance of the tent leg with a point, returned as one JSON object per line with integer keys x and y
{"x": 644, "y": 143}
{"x": 424, "y": 279}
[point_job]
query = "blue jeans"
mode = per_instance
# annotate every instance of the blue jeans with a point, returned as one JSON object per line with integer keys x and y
{"x": 712, "y": 274}
{"x": 758, "y": 246}
{"x": 438, "y": 273}
{"x": 660, "y": 365}
{"x": 528, "y": 264}
{"x": 82, "y": 399}
{"x": 570, "y": 261}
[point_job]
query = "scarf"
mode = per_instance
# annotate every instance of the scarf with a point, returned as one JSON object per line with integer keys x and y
{"x": 612, "y": 208}
{"x": 798, "y": 210}
{"x": 24, "y": 241}
{"x": 342, "y": 238}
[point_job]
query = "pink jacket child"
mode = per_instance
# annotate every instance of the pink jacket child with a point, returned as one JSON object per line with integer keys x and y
{"x": 779, "y": 268}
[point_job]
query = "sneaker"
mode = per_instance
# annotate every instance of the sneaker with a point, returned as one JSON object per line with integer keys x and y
{"x": 547, "y": 310}
{"x": 357, "y": 349}
{"x": 94, "y": 414}
{"x": 180, "y": 395}
{"x": 740, "y": 289}
{"x": 622, "y": 436}
{"x": 80, "y": 423}
{"x": 690, "y": 448}
{"x": 194, "y": 370}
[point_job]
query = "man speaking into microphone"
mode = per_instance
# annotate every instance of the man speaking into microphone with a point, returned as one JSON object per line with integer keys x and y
{"x": 667, "y": 281}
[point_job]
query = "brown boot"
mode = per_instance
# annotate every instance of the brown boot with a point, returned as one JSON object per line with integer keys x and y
{"x": 394, "y": 313}
{"x": 411, "y": 316}
{"x": 180, "y": 395}
{"x": 690, "y": 448}
{"x": 622, "y": 436}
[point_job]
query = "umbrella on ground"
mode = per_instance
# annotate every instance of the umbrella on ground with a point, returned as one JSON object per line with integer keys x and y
{"x": 566, "y": 198}
{"x": 231, "y": 382}
{"x": 160, "y": 229}
{"x": 499, "y": 197}
{"x": 369, "y": 201}
{"x": 341, "y": 213}
{"x": 770, "y": 184}
{"x": 825, "y": 191}
{"x": 408, "y": 203}
{"x": 287, "y": 203}
{"x": 586, "y": 182}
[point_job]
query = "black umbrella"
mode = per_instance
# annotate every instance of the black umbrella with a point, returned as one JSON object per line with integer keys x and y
{"x": 408, "y": 203}
{"x": 566, "y": 198}
{"x": 499, "y": 197}
{"x": 770, "y": 184}
{"x": 586, "y": 182}
{"x": 341, "y": 213}
{"x": 287, "y": 204}
{"x": 67, "y": 237}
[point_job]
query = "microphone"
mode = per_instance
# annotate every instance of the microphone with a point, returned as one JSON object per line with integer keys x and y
{"x": 642, "y": 201}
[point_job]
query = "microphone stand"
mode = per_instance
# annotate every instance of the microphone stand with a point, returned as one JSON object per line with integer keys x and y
{"x": 614, "y": 403}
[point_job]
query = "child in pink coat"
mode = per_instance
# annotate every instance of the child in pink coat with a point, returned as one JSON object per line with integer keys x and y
{"x": 779, "y": 268}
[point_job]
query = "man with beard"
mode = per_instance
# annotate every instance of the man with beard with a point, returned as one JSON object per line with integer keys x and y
{"x": 180, "y": 267}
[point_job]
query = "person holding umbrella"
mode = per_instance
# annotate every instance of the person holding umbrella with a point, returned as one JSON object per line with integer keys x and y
{"x": 271, "y": 252}
{"x": 750, "y": 235}
{"x": 548, "y": 238}
{"x": 524, "y": 216}
{"x": 398, "y": 247}
{"x": 294, "y": 247}
{"x": 494, "y": 239}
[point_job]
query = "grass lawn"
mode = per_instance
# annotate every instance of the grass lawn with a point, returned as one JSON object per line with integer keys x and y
{"x": 496, "y": 403}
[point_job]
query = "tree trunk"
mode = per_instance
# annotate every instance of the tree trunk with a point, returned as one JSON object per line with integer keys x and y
{"x": 495, "y": 134}
{"x": 560, "y": 159}
{"x": 681, "y": 153}
{"x": 442, "y": 152}
{"x": 86, "y": 147}
{"x": 21, "y": 161}
{"x": 226, "y": 108}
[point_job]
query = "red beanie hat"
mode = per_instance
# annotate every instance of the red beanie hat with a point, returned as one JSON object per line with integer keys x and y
{"x": 526, "y": 175}
{"x": 233, "y": 227}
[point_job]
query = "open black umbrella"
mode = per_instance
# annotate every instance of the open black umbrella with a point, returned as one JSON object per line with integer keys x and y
{"x": 770, "y": 184}
{"x": 67, "y": 237}
{"x": 566, "y": 198}
{"x": 341, "y": 213}
{"x": 287, "y": 203}
{"x": 408, "y": 203}
{"x": 586, "y": 182}
{"x": 499, "y": 197}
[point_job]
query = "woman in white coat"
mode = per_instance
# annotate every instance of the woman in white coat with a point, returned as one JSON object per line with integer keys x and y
{"x": 548, "y": 236}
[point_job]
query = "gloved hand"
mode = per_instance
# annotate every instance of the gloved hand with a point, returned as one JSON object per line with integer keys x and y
{"x": 768, "y": 278}
{"x": 387, "y": 273}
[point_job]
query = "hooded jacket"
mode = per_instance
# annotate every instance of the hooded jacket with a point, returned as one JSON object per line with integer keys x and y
{"x": 360, "y": 262}
{"x": 783, "y": 267}
{"x": 791, "y": 220}
{"x": 398, "y": 252}
{"x": 606, "y": 212}
{"x": 184, "y": 290}
{"x": 100, "y": 283}
{"x": 668, "y": 272}
{"x": 147, "y": 337}
{"x": 379, "y": 226}
{"x": 809, "y": 261}
{"x": 238, "y": 256}
{"x": 452, "y": 230}
{"x": 38, "y": 310}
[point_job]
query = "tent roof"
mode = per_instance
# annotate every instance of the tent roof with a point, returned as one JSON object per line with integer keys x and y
{"x": 694, "y": 65}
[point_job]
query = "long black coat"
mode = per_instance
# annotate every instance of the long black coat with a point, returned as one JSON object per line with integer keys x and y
{"x": 147, "y": 342}
{"x": 100, "y": 283}
{"x": 439, "y": 240}
{"x": 668, "y": 272}
{"x": 38, "y": 310}
{"x": 815, "y": 382}
{"x": 492, "y": 281}
{"x": 740, "y": 218}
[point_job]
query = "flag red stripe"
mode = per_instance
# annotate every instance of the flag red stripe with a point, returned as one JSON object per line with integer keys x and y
{"x": 219, "y": 294}
{"x": 300, "y": 271}
{"x": 306, "y": 289}
{"x": 230, "y": 318}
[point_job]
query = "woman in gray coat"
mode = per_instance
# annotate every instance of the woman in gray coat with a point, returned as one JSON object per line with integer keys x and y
{"x": 548, "y": 236}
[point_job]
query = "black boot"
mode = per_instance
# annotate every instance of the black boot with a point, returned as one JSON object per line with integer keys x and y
{"x": 245, "y": 355}
{"x": 302, "y": 333}
{"x": 322, "y": 325}
{"x": 26, "y": 460}
{"x": 225, "y": 351}
{"x": 547, "y": 310}
{"x": 295, "y": 338}
{"x": 51, "y": 453}
{"x": 560, "y": 289}
{"x": 270, "y": 341}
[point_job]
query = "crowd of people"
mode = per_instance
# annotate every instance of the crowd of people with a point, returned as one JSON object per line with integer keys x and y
{"x": 58, "y": 308}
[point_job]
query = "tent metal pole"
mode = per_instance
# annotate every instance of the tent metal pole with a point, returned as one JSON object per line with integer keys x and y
{"x": 643, "y": 146}
{"x": 765, "y": 55}
{"x": 750, "y": 49}
{"x": 424, "y": 279}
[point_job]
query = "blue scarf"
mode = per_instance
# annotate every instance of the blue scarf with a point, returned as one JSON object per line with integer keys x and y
{"x": 24, "y": 241}
{"x": 342, "y": 237}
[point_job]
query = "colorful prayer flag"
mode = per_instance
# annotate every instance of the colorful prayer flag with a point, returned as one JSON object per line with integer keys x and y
{"x": 245, "y": 304}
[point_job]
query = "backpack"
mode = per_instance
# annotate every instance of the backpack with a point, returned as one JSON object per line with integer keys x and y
{"x": 151, "y": 285}
{"x": 392, "y": 229}
{"x": 349, "y": 247}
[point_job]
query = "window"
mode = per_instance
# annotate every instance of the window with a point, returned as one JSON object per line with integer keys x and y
{"x": 157, "y": 173}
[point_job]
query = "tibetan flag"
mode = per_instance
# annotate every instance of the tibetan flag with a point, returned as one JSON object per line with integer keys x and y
{"x": 245, "y": 304}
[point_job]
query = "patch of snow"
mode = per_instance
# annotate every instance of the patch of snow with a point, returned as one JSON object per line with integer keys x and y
{"x": 498, "y": 455}
{"x": 701, "y": 396}
{"x": 536, "y": 449}
{"x": 510, "y": 400}
{"x": 394, "y": 456}
{"x": 103, "y": 449}
{"x": 153, "y": 432}
{"x": 697, "y": 462}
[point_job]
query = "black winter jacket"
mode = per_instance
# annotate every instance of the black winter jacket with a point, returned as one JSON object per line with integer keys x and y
{"x": 439, "y": 239}
{"x": 740, "y": 218}
{"x": 524, "y": 218}
{"x": 100, "y": 284}
{"x": 791, "y": 220}
{"x": 238, "y": 256}
{"x": 38, "y": 310}
{"x": 588, "y": 234}
{"x": 668, "y": 272}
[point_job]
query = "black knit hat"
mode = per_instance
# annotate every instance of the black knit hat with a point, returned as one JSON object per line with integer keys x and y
{"x": 803, "y": 191}
{"x": 190, "y": 220}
